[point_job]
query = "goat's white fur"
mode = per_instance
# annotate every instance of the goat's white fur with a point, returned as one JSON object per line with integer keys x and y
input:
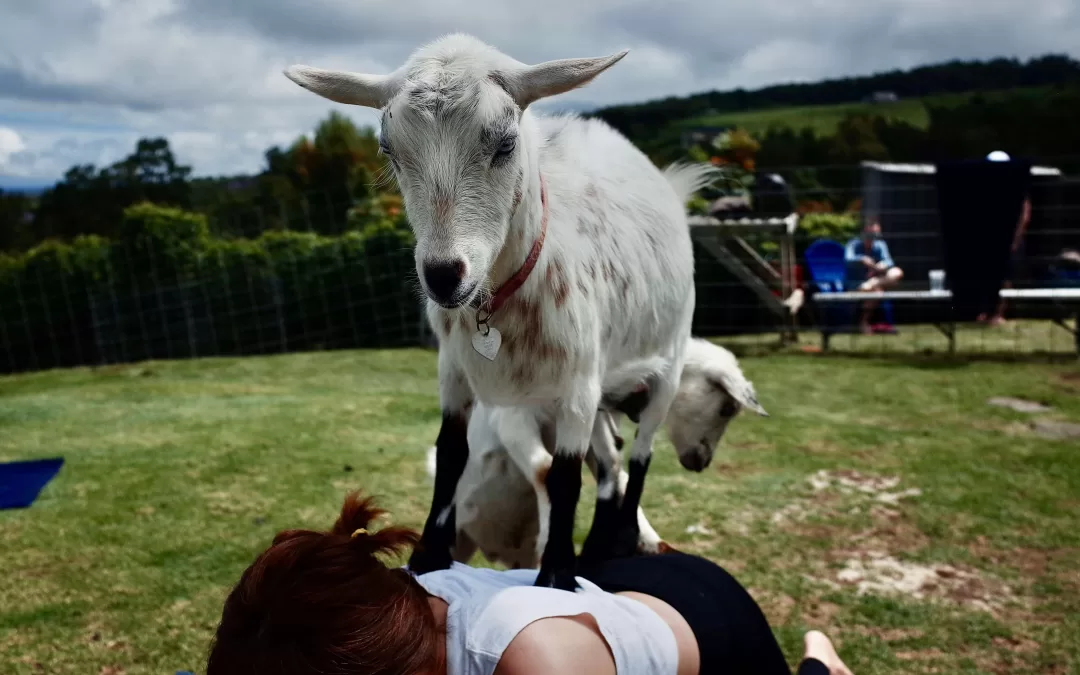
{"x": 613, "y": 286}
{"x": 499, "y": 509}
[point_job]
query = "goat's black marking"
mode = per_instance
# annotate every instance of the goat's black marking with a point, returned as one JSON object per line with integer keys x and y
{"x": 631, "y": 405}
{"x": 557, "y": 564}
{"x": 730, "y": 408}
{"x": 599, "y": 544}
{"x": 626, "y": 536}
{"x": 451, "y": 453}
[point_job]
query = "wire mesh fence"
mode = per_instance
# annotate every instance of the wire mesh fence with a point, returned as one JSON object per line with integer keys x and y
{"x": 338, "y": 292}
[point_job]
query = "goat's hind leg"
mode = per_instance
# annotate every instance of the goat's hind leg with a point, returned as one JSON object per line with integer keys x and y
{"x": 662, "y": 394}
{"x": 604, "y": 461}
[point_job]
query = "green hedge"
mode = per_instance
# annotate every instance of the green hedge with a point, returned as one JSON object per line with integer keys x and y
{"x": 168, "y": 289}
{"x": 839, "y": 227}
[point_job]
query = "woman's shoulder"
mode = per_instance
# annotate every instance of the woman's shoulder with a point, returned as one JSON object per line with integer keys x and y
{"x": 581, "y": 648}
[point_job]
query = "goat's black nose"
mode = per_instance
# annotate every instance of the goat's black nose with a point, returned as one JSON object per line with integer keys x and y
{"x": 693, "y": 462}
{"x": 443, "y": 279}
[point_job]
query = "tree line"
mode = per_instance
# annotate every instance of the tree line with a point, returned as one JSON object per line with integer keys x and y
{"x": 322, "y": 184}
{"x": 642, "y": 120}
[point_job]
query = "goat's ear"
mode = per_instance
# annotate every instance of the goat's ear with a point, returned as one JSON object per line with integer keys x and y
{"x": 533, "y": 83}
{"x": 739, "y": 388}
{"x": 371, "y": 91}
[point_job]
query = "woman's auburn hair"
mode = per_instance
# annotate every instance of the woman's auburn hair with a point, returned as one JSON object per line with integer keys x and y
{"x": 323, "y": 603}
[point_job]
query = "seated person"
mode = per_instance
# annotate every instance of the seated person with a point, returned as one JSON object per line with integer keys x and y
{"x": 871, "y": 267}
{"x": 326, "y": 602}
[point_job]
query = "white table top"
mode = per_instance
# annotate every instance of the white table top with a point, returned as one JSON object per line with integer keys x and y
{"x": 1008, "y": 293}
{"x": 882, "y": 295}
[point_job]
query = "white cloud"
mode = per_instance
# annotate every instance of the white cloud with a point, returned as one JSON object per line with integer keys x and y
{"x": 79, "y": 82}
{"x": 10, "y": 143}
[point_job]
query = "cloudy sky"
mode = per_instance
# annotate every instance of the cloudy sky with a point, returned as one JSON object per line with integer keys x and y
{"x": 81, "y": 80}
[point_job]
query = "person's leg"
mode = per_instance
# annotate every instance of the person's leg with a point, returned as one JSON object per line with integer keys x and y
{"x": 864, "y": 317}
{"x": 820, "y": 657}
{"x": 811, "y": 666}
{"x": 999, "y": 315}
{"x": 891, "y": 278}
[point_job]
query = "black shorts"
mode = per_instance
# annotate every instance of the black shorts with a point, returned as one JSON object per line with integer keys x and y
{"x": 732, "y": 633}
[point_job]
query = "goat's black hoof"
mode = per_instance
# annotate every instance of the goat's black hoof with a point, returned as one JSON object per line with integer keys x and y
{"x": 562, "y": 579}
{"x": 426, "y": 559}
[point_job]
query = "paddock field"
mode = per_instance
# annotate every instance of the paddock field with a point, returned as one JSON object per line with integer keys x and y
{"x": 884, "y": 501}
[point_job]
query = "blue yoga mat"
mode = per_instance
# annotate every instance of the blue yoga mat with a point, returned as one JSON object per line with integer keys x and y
{"x": 22, "y": 482}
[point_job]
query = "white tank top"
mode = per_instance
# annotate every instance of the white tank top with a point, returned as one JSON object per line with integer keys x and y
{"x": 488, "y": 608}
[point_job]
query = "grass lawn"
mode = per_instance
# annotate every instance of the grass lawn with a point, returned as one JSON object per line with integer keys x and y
{"x": 957, "y": 520}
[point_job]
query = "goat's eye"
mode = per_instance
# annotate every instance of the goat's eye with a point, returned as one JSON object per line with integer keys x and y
{"x": 729, "y": 408}
{"x": 507, "y": 146}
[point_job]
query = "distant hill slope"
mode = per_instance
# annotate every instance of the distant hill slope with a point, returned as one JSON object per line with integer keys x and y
{"x": 821, "y": 105}
{"x": 824, "y": 119}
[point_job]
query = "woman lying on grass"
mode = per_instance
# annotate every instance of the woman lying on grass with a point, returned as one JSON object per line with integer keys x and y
{"x": 324, "y": 602}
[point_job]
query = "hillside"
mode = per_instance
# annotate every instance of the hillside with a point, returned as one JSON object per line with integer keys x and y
{"x": 821, "y": 106}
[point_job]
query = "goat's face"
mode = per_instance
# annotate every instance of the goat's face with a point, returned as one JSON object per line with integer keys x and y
{"x": 712, "y": 391}
{"x": 451, "y": 126}
{"x": 697, "y": 420}
{"x": 459, "y": 160}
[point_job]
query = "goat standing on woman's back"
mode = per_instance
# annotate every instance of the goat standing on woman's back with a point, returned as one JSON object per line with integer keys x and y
{"x": 555, "y": 257}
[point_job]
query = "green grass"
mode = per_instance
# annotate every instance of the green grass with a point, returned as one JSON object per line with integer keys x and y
{"x": 1020, "y": 339}
{"x": 824, "y": 119}
{"x": 178, "y": 473}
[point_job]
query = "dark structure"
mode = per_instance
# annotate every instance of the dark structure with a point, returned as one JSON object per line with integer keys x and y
{"x": 979, "y": 203}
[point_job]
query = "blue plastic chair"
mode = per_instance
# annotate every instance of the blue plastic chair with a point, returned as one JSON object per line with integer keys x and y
{"x": 22, "y": 482}
{"x": 825, "y": 262}
{"x": 829, "y": 271}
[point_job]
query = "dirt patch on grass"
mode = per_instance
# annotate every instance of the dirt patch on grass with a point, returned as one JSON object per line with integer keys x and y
{"x": 845, "y": 491}
{"x": 820, "y": 613}
{"x": 1055, "y": 430}
{"x": 1018, "y": 404}
{"x": 878, "y": 573}
{"x": 890, "y": 634}
{"x": 1069, "y": 381}
{"x": 871, "y": 561}
{"x": 776, "y": 606}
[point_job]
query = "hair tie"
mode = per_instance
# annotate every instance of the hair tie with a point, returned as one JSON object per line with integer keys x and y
{"x": 358, "y": 531}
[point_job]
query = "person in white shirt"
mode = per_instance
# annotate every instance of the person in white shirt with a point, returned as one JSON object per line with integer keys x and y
{"x": 328, "y": 603}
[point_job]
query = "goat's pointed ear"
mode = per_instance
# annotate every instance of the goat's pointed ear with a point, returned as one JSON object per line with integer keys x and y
{"x": 533, "y": 83}
{"x": 748, "y": 397}
{"x": 739, "y": 388}
{"x": 371, "y": 91}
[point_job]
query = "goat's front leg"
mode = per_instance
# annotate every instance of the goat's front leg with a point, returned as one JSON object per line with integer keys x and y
{"x": 432, "y": 552}
{"x": 573, "y": 426}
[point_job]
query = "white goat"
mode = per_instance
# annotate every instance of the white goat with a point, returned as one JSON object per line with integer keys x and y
{"x": 554, "y": 256}
{"x": 497, "y": 501}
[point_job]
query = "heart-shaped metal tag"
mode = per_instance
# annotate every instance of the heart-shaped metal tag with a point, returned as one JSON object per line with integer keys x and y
{"x": 487, "y": 345}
